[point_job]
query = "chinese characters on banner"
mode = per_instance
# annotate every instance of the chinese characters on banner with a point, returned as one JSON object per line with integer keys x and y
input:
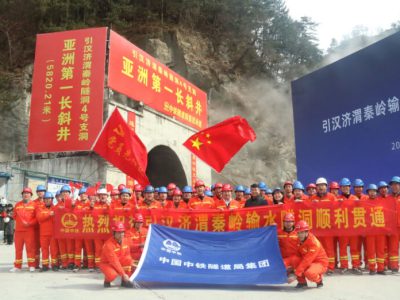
{"x": 130, "y": 181}
{"x": 325, "y": 219}
{"x": 138, "y": 75}
{"x": 67, "y": 90}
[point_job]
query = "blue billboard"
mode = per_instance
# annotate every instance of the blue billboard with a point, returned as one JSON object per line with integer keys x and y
{"x": 346, "y": 116}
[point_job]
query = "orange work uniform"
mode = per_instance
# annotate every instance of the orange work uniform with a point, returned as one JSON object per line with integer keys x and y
{"x": 153, "y": 205}
{"x": 99, "y": 208}
{"x": 48, "y": 243}
{"x": 393, "y": 239}
{"x": 136, "y": 239}
{"x": 62, "y": 243}
{"x": 288, "y": 244}
{"x": 201, "y": 202}
{"x": 233, "y": 204}
{"x": 38, "y": 203}
{"x": 84, "y": 246}
{"x": 115, "y": 259}
{"x": 25, "y": 221}
{"x": 171, "y": 205}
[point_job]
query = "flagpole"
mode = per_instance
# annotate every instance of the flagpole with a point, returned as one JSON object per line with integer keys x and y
{"x": 101, "y": 131}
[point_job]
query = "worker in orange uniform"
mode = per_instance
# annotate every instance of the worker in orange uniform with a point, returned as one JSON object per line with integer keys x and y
{"x": 334, "y": 188}
{"x": 375, "y": 244}
{"x": 162, "y": 196}
{"x": 288, "y": 240}
{"x": 311, "y": 189}
{"x": 62, "y": 243}
{"x": 70, "y": 243}
{"x": 48, "y": 244}
{"x": 201, "y": 201}
{"x": 114, "y": 195}
{"x": 149, "y": 202}
{"x": 40, "y": 190}
{"x": 393, "y": 240}
{"x": 227, "y": 202}
{"x": 217, "y": 192}
{"x": 358, "y": 187}
{"x": 100, "y": 208}
{"x": 187, "y": 193}
{"x": 137, "y": 237}
{"x": 239, "y": 195}
{"x": 123, "y": 209}
{"x": 312, "y": 261}
{"x": 138, "y": 196}
{"x": 353, "y": 241}
{"x": 298, "y": 193}
{"x": 287, "y": 191}
{"x": 25, "y": 219}
{"x": 116, "y": 259}
{"x": 322, "y": 195}
{"x": 171, "y": 188}
{"x": 177, "y": 201}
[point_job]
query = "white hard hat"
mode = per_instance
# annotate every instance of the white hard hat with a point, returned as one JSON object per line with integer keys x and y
{"x": 321, "y": 180}
{"x": 102, "y": 192}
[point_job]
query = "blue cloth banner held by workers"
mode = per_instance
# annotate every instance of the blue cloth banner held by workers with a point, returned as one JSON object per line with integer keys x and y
{"x": 246, "y": 257}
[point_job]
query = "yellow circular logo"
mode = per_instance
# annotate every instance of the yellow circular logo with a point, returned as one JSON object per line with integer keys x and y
{"x": 69, "y": 220}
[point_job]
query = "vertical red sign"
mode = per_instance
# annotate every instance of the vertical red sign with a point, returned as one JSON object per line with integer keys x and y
{"x": 194, "y": 169}
{"x": 67, "y": 90}
{"x": 130, "y": 181}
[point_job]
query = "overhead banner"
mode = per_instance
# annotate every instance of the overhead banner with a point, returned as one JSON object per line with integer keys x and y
{"x": 248, "y": 257}
{"x": 67, "y": 90}
{"x": 346, "y": 116}
{"x": 136, "y": 74}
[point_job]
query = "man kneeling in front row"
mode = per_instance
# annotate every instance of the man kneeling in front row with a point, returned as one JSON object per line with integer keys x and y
{"x": 116, "y": 259}
{"x": 310, "y": 262}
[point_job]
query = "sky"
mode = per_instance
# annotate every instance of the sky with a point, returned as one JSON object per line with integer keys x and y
{"x": 338, "y": 18}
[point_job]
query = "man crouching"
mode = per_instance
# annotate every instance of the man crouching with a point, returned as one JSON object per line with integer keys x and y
{"x": 116, "y": 259}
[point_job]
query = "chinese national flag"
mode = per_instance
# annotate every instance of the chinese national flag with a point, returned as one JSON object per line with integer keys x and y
{"x": 119, "y": 145}
{"x": 216, "y": 145}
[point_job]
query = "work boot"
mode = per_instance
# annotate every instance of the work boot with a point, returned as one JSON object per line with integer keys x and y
{"x": 44, "y": 269}
{"x": 71, "y": 266}
{"x": 357, "y": 271}
{"x": 301, "y": 285}
{"x": 372, "y": 272}
{"x": 127, "y": 284}
{"x": 107, "y": 284}
{"x": 381, "y": 273}
{"x": 76, "y": 269}
{"x": 395, "y": 271}
{"x": 320, "y": 284}
{"x": 55, "y": 268}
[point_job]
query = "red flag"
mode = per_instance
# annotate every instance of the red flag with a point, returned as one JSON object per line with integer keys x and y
{"x": 109, "y": 187}
{"x": 216, "y": 145}
{"x": 120, "y": 145}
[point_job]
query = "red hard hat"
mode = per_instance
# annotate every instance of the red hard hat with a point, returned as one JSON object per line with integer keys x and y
{"x": 138, "y": 188}
{"x": 218, "y": 185}
{"x": 199, "y": 183}
{"x": 311, "y": 185}
{"x": 115, "y": 192}
{"x": 118, "y": 227}
{"x": 171, "y": 186}
{"x": 226, "y": 187}
{"x": 177, "y": 193}
{"x": 138, "y": 218}
{"x": 302, "y": 226}
{"x": 334, "y": 185}
{"x": 120, "y": 187}
{"x": 289, "y": 217}
{"x": 287, "y": 183}
{"x": 27, "y": 190}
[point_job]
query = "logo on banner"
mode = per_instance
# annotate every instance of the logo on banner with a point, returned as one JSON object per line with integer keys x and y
{"x": 69, "y": 220}
{"x": 171, "y": 246}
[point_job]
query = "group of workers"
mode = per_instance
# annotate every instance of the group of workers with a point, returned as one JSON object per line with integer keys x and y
{"x": 303, "y": 254}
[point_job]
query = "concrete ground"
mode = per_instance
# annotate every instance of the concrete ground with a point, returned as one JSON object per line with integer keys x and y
{"x": 85, "y": 285}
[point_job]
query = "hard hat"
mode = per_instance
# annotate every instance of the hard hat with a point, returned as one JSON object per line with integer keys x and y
{"x": 149, "y": 189}
{"x": 321, "y": 180}
{"x": 199, "y": 183}
{"x": 171, "y": 186}
{"x": 382, "y": 184}
{"x": 138, "y": 218}
{"x": 358, "y": 182}
{"x": 102, "y": 192}
{"x": 27, "y": 190}
{"x": 372, "y": 187}
{"x": 311, "y": 185}
{"x": 345, "y": 182}
{"x": 226, "y": 187}
{"x": 218, "y": 185}
{"x": 277, "y": 189}
{"x": 247, "y": 191}
{"x": 334, "y": 185}
{"x": 48, "y": 195}
{"x": 125, "y": 191}
{"x": 297, "y": 185}
{"x": 121, "y": 186}
{"x": 118, "y": 226}
{"x": 302, "y": 226}
{"x": 187, "y": 189}
{"x": 82, "y": 191}
{"x": 177, "y": 192}
{"x": 289, "y": 217}
{"x": 395, "y": 179}
{"x": 138, "y": 188}
{"x": 58, "y": 193}
{"x": 268, "y": 191}
{"x": 208, "y": 193}
{"x": 40, "y": 188}
{"x": 162, "y": 189}
{"x": 65, "y": 188}
{"x": 287, "y": 183}
{"x": 239, "y": 188}
{"x": 116, "y": 192}
{"x": 156, "y": 190}
{"x": 262, "y": 185}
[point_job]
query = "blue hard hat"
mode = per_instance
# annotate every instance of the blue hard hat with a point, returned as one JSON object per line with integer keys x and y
{"x": 268, "y": 191}
{"x": 58, "y": 193}
{"x": 148, "y": 189}
{"x": 163, "y": 189}
{"x": 208, "y": 193}
{"x": 247, "y": 191}
{"x": 157, "y": 190}
{"x": 239, "y": 188}
{"x": 187, "y": 189}
{"x": 372, "y": 187}
{"x": 262, "y": 185}
{"x": 48, "y": 195}
{"x": 125, "y": 191}
{"x": 40, "y": 188}
{"x": 358, "y": 182}
{"x": 395, "y": 179}
{"x": 65, "y": 188}
{"x": 298, "y": 185}
{"x": 382, "y": 184}
{"x": 345, "y": 182}
{"x": 82, "y": 190}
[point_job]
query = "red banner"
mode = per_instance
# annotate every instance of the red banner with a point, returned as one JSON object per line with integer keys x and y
{"x": 325, "y": 219}
{"x": 134, "y": 73}
{"x": 67, "y": 90}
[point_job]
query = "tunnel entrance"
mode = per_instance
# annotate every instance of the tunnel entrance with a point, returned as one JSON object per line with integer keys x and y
{"x": 164, "y": 166}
